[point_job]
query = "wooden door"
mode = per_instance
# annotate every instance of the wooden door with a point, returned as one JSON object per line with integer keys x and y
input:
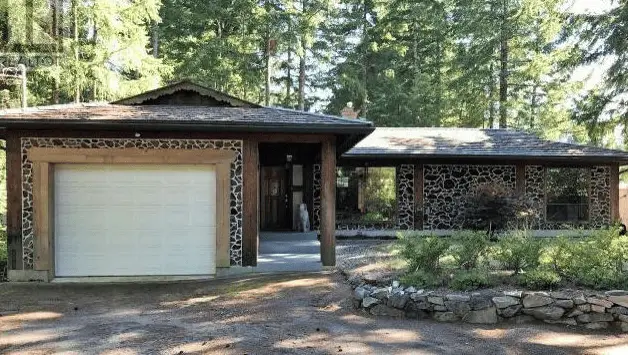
{"x": 274, "y": 198}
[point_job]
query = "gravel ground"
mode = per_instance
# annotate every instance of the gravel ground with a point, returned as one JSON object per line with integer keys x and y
{"x": 281, "y": 314}
{"x": 257, "y": 314}
{"x": 366, "y": 257}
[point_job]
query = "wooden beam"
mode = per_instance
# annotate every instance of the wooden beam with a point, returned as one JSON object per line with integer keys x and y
{"x": 43, "y": 218}
{"x": 223, "y": 196}
{"x": 250, "y": 202}
{"x": 14, "y": 200}
{"x": 520, "y": 179}
{"x": 614, "y": 193}
{"x": 129, "y": 156}
{"x": 328, "y": 203}
{"x": 418, "y": 197}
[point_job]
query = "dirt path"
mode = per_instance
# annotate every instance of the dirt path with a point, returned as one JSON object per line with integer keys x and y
{"x": 293, "y": 314}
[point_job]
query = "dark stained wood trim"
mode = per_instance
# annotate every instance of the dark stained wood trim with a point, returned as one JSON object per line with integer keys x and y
{"x": 328, "y": 203}
{"x": 129, "y": 156}
{"x": 131, "y": 134}
{"x": 308, "y": 190}
{"x": 250, "y": 202}
{"x": 418, "y": 197}
{"x": 43, "y": 215}
{"x": 380, "y": 162}
{"x": 14, "y": 201}
{"x": 187, "y": 86}
{"x": 520, "y": 179}
{"x": 614, "y": 193}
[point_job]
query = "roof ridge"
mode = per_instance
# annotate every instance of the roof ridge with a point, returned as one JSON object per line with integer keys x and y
{"x": 55, "y": 106}
{"x": 317, "y": 114}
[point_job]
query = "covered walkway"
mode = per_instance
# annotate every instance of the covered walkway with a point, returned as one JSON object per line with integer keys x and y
{"x": 288, "y": 251}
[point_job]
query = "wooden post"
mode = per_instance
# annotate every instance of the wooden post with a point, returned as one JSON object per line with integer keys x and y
{"x": 223, "y": 195}
{"x": 418, "y": 197}
{"x": 43, "y": 226}
{"x": 250, "y": 200}
{"x": 520, "y": 179}
{"x": 614, "y": 193}
{"x": 328, "y": 203}
{"x": 14, "y": 201}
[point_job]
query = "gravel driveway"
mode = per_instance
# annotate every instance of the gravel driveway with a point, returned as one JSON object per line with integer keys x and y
{"x": 294, "y": 314}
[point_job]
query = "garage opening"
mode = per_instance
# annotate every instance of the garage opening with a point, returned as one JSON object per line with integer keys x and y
{"x": 134, "y": 219}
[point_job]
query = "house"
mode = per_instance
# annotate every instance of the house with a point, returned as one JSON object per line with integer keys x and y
{"x": 180, "y": 180}
{"x": 162, "y": 183}
{"x": 568, "y": 185}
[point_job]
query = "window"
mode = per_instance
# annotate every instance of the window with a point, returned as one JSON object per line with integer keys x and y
{"x": 365, "y": 195}
{"x": 567, "y": 191}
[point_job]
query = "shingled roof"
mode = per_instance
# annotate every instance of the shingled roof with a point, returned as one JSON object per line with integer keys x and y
{"x": 251, "y": 118}
{"x": 460, "y": 143}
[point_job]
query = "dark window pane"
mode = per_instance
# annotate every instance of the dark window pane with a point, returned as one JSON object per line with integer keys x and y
{"x": 567, "y": 191}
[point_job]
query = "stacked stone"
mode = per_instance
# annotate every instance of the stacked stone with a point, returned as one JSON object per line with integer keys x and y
{"x": 590, "y": 310}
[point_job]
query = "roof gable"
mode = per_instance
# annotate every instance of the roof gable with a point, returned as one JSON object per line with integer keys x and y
{"x": 186, "y": 93}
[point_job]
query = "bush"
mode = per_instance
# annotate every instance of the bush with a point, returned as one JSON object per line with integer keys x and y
{"x": 594, "y": 261}
{"x": 3, "y": 246}
{"x": 470, "y": 280}
{"x": 519, "y": 251}
{"x": 538, "y": 279}
{"x": 559, "y": 255}
{"x": 3, "y": 255}
{"x": 422, "y": 253}
{"x": 469, "y": 247}
{"x": 492, "y": 207}
{"x": 420, "y": 278}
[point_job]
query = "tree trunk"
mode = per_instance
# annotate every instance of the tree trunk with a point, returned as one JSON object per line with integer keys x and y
{"x": 491, "y": 93}
{"x": 155, "y": 39}
{"x": 267, "y": 81}
{"x": 287, "y": 100}
{"x": 56, "y": 35}
{"x": 503, "y": 73}
{"x": 302, "y": 59}
{"x": 302, "y": 78}
{"x": 75, "y": 33}
{"x": 365, "y": 61}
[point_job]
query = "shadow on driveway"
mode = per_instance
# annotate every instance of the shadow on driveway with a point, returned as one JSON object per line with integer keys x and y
{"x": 258, "y": 314}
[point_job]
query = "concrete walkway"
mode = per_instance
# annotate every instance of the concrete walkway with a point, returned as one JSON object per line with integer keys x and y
{"x": 288, "y": 251}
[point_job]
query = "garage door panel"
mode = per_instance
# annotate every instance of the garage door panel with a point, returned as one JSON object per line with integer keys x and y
{"x": 128, "y": 220}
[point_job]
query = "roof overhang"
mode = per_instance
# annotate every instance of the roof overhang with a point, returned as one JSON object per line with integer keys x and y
{"x": 154, "y": 125}
{"x": 383, "y": 159}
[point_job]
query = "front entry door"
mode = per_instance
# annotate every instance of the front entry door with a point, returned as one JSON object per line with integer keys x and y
{"x": 275, "y": 198}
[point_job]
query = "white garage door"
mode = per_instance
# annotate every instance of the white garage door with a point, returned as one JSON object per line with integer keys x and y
{"x": 133, "y": 220}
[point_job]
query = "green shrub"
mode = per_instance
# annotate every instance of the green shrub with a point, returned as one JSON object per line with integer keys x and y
{"x": 470, "y": 280}
{"x": 468, "y": 248}
{"x": 518, "y": 251}
{"x": 420, "y": 278}
{"x": 559, "y": 254}
{"x": 595, "y": 261}
{"x": 3, "y": 246}
{"x": 538, "y": 279}
{"x": 422, "y": 253}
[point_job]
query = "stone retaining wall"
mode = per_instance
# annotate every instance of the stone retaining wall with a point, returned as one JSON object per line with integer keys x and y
{"x": 592, "y": 310}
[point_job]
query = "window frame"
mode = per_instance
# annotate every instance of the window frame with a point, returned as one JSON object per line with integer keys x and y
{"x": 587, "y": 172}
